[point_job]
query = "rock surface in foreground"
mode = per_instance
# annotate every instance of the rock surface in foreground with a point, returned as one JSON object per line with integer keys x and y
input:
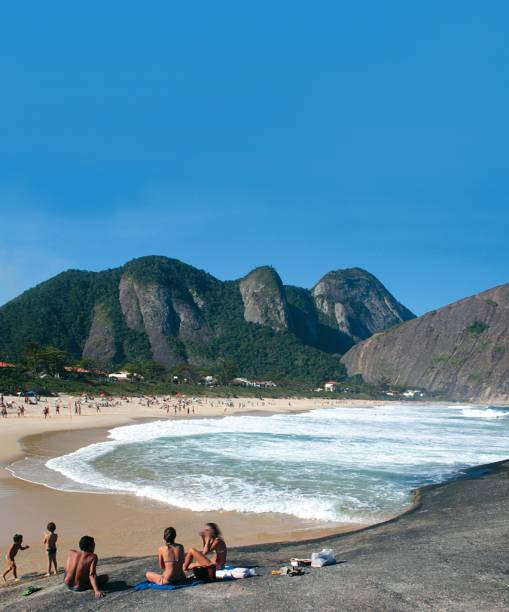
{"x": 449, "y": 554}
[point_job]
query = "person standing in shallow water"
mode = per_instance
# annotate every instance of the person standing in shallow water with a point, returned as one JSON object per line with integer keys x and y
{"x": 213, "y": 545}
{"x": 171, "y": 560}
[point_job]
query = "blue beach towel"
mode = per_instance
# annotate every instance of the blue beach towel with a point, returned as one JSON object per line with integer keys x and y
{"x": 145, "y": 585}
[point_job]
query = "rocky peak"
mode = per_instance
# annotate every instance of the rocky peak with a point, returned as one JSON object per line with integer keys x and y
{"x": 264, "y": 299}
{"x": 357, "y": 303}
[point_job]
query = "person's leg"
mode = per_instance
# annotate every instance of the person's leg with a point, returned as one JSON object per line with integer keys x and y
{"x": 4, "y": 575}
{"x": 14, "y": 571}
{"x": 155, "y": 578}
{"x": 195, "y": 558}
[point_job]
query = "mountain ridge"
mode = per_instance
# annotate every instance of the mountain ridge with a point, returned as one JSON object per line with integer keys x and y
{"x": 159, "y": 308}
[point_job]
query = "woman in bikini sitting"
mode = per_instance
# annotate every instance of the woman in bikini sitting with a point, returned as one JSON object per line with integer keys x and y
{"x": 171, "y": 559}
{"x": 213, "y": 545}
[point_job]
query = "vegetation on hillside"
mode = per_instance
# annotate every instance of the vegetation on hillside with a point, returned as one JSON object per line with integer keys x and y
{"x": 59, "y": 314}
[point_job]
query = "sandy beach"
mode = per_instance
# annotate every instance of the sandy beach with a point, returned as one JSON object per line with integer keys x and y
{"x": 124, "y": 525}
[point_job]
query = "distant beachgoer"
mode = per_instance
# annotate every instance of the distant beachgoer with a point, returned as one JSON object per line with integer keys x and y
{"x": 57, "y": 409}
{"x": 10, "y": 557}
{"x": 81, "y": 569}
{"x": 213, "y": 544}
{"x": 171, "y": 560}
{"x": 50, "y": 542}
{"x": 45, "y": 412}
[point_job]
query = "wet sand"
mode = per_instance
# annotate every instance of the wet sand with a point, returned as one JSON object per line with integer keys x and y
{"x": 123, "y": 525}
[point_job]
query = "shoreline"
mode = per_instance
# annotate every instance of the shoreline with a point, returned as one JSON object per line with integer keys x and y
{"x": 144, "y": 518}
{"x": 111, "y": 516}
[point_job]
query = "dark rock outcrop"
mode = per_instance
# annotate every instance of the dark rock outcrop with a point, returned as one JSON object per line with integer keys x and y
{"x": 459, "y": 351}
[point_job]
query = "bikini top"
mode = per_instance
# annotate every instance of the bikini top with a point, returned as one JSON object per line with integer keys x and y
{"x": 172, "y": 560}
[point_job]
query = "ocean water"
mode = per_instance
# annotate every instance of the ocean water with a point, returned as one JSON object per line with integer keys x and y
{"x": 339, "y": 465}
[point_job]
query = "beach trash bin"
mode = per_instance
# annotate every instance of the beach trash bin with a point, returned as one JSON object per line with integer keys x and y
{"x": 205, "y": 573}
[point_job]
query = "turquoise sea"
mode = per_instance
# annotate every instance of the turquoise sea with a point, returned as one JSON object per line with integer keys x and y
{"x": 344, "y": 464}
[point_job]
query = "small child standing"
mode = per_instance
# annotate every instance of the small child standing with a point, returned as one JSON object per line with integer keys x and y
{"x": 50, "y": 541}
{"x": 10, "y": 557}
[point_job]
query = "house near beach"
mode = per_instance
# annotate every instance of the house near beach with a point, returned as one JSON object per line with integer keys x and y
{"x": 123, "y": 375}
{"x": 331, "y": 386}
{"x": 5, "y": 364}
{"x": 258, "y": 384}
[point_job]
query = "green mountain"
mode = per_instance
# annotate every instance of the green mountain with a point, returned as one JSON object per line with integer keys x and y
{"x": 156, "y": 308}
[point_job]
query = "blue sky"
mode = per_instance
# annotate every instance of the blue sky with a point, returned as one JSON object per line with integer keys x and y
{"x": 309, "y": 136}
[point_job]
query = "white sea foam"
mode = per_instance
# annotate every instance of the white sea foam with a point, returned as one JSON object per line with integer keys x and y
{"x": 485, "y": 413}
{"x": 346, "y": 464}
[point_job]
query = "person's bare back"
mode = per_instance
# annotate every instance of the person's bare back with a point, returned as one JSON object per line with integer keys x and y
{"x": 80, "y": 565}
{"x": 170, "y": 557}
{"x": 81, "y": 569}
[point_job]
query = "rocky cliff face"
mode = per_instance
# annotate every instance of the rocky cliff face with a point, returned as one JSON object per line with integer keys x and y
{"x": 148, "y": 308}
{"x": 460, "y": 351}
{"x": 357, "y": 303}
{"x": 162, "y": 309}
{"x": 264, "y": 300}
{"x": 100, "y": 343}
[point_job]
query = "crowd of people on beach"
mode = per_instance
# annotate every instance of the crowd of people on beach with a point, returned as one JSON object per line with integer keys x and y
{"x": 176, "y": 565}
{"x": 178, "y": 405}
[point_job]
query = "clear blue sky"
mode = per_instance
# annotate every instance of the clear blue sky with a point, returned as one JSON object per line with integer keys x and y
{"x": 310, "y": 136}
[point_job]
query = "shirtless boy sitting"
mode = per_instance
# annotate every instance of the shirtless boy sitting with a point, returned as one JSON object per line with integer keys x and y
{"x": 213, "y": 544}
{"x": 80, "y": 572}
{"x": 171, "y": 559}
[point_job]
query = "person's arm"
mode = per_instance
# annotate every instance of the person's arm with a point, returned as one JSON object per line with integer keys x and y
{"x": 161, "y": 559}
{"x": 45, "y": 539}
{"x": 93, "y": 579}
{"x": 207, "y": 545}
{"x": 24, "y": 547}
